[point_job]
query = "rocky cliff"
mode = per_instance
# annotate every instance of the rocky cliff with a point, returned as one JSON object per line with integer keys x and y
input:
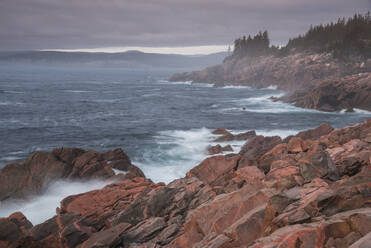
{"x": 308, "y": 190}
{"x": 308, "y": 75}
{"x": 347, "y": 93}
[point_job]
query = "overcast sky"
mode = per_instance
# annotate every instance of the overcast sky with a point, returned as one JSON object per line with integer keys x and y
{"x": 106, "y": 24}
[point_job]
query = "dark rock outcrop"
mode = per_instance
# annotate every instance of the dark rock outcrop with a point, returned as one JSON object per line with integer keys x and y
{"x": 13, "y": 228}
{"x": 219, "y": 149}
{"x": 33, "y": 175}
{"x": 226, "y": 136}
{"x": 344, "y": 93}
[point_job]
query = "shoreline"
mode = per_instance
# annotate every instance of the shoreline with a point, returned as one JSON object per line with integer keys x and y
{"x": 311, "y": 80}
{"x": 287, "y": 97}
{"x": 135, "y": 210}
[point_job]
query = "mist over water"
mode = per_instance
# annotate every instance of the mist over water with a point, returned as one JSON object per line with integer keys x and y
{"x": 164, "y": 127}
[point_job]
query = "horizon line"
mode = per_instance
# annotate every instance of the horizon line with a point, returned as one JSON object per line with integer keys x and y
{"x": 182, "y": 50}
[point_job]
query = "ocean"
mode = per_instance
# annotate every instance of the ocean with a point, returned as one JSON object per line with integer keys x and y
{"x": 164, "y": 127}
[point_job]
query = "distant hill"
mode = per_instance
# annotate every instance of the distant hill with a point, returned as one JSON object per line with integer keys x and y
{"x": 129, "y": 59}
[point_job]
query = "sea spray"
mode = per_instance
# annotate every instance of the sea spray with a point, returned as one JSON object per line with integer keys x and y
{"x": 37, "y": 209}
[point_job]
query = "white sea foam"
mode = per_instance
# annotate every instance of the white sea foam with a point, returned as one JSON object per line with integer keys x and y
{"x": 17, "y": 152}
{"x": 40, "y": 208}
{"x": 178, "y": 151}
{"x": 119, "y": 171}
{"x": 279, "y": 109}
{"x": 151, "y": 94}
{"x": 6, "y": 103}
{"x": 361, "y": 111}
{"x": 177, "y": 82}
{"x": 78, "y": 91}
{"x": 203, "y": 85}
{"x": 10, "y": 158}
{"x": 162, "y": 81}
{"x": 264, "y": 104}
{"x": 106, "y": 100}
{"x": 235, "y": 87}
{"x": 264, "y": 98}
{"x": 14, "y": 92}
{"x": 271, "y": 87}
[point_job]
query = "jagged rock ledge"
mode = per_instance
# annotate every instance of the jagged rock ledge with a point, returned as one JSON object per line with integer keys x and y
{"x": 308, "y": 190}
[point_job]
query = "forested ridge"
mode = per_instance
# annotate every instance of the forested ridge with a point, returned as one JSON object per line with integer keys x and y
{"x": 345, "y": 39}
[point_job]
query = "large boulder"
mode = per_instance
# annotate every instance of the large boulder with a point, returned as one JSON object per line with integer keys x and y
{"x": 13, "y": 228}
{"x": 255, "y": 148}
{"x": 33, "y": 175}
{"x": 219, "y": 214}
{"x": 340, "y": 230}
{"x": 211, "y": 169}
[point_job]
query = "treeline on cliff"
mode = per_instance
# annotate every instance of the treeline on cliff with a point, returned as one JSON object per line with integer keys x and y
{"x": 345, "y": 38}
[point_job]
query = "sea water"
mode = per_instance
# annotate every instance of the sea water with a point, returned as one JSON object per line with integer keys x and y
{"x": 164, "y": 127}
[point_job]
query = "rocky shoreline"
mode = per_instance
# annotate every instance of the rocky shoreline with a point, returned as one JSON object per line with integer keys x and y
{"x": 311, "y": 80}
{"x": 308, "y": 190}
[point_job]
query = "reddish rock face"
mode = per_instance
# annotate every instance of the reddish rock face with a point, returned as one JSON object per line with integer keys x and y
{"x": 34, "y": 174}
{"x": 219, "y": 214}
{"x": 213, "y": 168}
{"x": 336, "y": 231}
{"x": 98, "y": 204}
{"x": 297, "y": 145}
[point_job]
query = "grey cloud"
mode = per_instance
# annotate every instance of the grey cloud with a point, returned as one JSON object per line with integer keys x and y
{"x": 46, "y": 24}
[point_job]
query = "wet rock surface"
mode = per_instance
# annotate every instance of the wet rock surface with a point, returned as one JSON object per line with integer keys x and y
{"x": 311, "y": 190}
